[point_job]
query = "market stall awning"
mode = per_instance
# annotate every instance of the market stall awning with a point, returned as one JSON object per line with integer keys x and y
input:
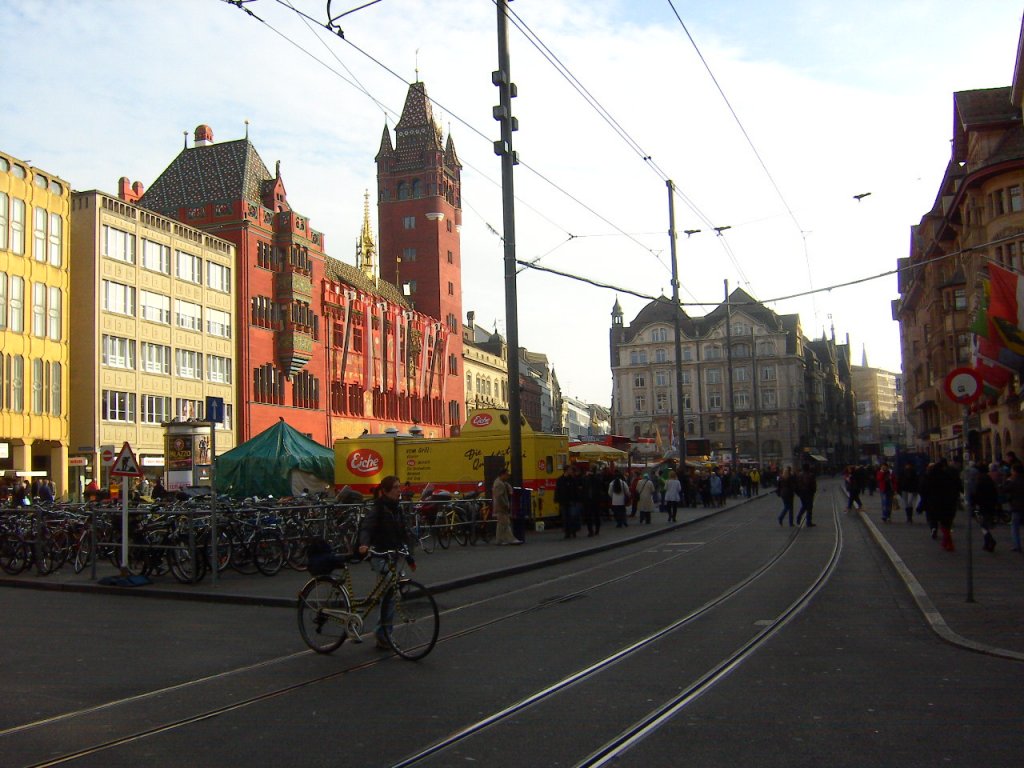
{"x": 596, "y": 452}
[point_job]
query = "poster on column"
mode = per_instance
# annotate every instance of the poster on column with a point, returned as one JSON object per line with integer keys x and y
{"x": 179, "y": 453}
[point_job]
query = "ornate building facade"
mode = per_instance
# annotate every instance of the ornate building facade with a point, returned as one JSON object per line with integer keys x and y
{"x": 752, "y": 384}
{"x": 977, "y": 219}
{"x": 419, "y": 199}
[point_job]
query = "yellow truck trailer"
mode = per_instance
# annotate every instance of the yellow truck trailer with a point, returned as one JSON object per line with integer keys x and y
{"x": 455, "y": 463}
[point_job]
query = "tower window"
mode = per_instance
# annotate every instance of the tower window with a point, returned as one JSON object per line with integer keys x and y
{"x": 417, "y": 190}
{"x": 449, "y": 223}
{"x": 451, "y": 258}
{"x": 409, "y": 222}
{"x": 451, "y": 289}
{"x": 408, "y": 254}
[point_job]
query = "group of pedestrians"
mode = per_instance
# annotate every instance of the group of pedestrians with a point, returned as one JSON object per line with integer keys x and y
{"x": 936, "y": 492}
{"x": 802, "y": 485}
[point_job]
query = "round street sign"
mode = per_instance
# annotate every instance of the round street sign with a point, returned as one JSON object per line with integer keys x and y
{"x": 963, "y": 385}
{"x": 107, "y": 455}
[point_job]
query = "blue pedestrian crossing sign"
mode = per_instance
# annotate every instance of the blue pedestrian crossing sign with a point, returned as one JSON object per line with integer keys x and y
{"x": 126, "y": 465}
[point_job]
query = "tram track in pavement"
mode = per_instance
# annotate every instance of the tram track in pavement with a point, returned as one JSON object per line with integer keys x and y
{"x": 249, "y": 668}
{"x": 216, "y": 711}
{"x": 649, "y": 723}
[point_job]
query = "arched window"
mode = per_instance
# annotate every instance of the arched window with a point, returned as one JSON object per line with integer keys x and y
{"x": 403, "y": 191}
{"x": 416, "y": 189}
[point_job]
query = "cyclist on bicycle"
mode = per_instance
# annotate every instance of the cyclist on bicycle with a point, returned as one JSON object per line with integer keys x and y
{"x": 383, "y": 530}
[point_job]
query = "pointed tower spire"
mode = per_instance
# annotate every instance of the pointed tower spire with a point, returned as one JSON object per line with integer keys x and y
{"x": 864, "y": 356}
{"x": 366, "y": 249}
{"x": 385, "y": 151}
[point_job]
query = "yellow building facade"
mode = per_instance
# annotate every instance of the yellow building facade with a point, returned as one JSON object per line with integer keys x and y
{"x": 155, "y": 330}
{"x": 34, "y": 350}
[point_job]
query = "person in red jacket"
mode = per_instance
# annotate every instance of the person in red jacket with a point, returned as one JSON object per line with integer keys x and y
{"x": 886, "y": 489}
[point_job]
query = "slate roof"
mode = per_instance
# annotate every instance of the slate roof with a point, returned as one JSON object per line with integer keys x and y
{"x": 340, "y": 272}
{"x": 659, "y": 311}
{"x": 230, "y": 170}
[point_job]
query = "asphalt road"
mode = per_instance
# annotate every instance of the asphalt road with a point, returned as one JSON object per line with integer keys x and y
{"x": 844, "y": 671}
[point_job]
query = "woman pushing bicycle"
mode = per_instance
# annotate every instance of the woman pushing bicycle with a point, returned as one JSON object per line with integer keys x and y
{"x": 384, "y": 530}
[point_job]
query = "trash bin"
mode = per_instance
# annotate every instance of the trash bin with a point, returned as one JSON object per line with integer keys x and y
{"x": 521, "y": 511}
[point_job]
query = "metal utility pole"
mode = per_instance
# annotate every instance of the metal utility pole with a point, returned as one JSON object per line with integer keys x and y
{"x": 728, "y": 372}
{"x": 503, "y": 114}
{"x": 676, "y": 309}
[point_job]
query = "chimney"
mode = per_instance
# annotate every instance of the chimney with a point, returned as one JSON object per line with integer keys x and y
{"x": 127, "y": 191}
{"x": 203, "y": 136}
{"x": 470, "y": 317}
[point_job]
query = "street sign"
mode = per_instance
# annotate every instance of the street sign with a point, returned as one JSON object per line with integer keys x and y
{"x": 107, "y": 455}
{"x": 215, "y": 410}
{"x": 963, "y": 386}
{"x": 126, "y": 465}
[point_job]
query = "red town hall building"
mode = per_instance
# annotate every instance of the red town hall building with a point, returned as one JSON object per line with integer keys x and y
{"x": 333, "y": 348}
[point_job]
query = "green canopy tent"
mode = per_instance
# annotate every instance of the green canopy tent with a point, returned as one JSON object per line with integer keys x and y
{"x": 279, "y": 461}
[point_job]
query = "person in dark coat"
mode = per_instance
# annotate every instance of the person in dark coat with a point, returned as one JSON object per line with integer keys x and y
{"x": 940, "y": 494}
{"x": 786, "y": 490}
{"x": 854, "y": 485}
{"x": 1014, "y": 490}
{"x": 986, "y": 502}
{"x": 907, "y": 481}
{"x": 806, "y": 488}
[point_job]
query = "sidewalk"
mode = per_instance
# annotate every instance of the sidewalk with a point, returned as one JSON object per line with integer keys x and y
{"x": 442, "y": 570}
{"x": 938, "y": 580}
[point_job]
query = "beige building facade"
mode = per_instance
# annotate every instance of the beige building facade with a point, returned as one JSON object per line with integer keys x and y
{"x": 34, "y": 327}
{"x": 154, "y": 318}
{"x": 484, "y": 357}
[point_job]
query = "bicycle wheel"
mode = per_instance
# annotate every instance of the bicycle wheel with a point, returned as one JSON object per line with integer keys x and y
{"x": 425, "y": 536}
{"x": 242, "y": 559}
{"x": 443, "y": 530}
{"x": 184, "y": 567}
{"x": 461, "y": 526}
{"x": 14, "y": 554}
{"x": 268, "y": 552}
{"x": 486, "y": 527}
{"x": 416, "y": 623}
{"x": 82, "y": 550}
{"x": 321, "y": 629}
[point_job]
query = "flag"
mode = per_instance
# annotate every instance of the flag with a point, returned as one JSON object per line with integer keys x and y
{"x": 992, "y": 353}
{"x": 1006, "y": 307}
{"x": 657, "y": 439}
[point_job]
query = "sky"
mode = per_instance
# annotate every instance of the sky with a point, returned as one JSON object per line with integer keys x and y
{"x": 807, "y": 104}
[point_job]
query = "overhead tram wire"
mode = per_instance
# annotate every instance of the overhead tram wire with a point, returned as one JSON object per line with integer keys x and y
{"x": 605, "y": 115}
{"x": 750, "y": 142}
{"x": 776, "y": 299}
{"x": 340, "y": 34}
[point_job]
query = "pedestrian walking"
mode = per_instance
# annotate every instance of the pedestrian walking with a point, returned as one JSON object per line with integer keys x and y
{"x": 986, "y": 502}
{"x": 565, "y": 488}
{"x": 501, "y": 499}
{"x": 806, "y": 488}
{"x": 1014, "y": 489}
{"x": 673, "y": 495}
{"x": 884, "y": 482}
{"x": 645, "y": 498}
{"x": 786, "y": 490}
{"x": 595, "y": 492}
{"x": 853, "y": 486}
{"x": 942, "y": 495}
{"x": 909, "y": 485}
{"x": 618, "y": 492}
